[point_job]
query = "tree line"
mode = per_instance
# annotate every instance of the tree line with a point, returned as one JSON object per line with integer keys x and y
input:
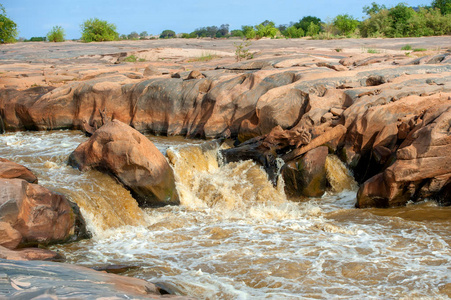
{"x": 380, "y": 21}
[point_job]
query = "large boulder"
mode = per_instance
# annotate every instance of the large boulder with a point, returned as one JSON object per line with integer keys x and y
{"x": 31, "y": 214}
{"x": 133, "y": 159}
{"x": 422, "y": 168}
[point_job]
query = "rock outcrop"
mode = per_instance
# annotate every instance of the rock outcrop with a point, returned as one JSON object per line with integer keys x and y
{"x": 422, "y": 168}
{"x": 363, "y": 107}
{"x": 133, "y": 159}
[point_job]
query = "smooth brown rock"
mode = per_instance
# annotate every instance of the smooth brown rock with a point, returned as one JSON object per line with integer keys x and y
{"x": 195, "y": 74}
{"x": 132, "y": 158}
{"x": 9, "y": 237}
{"x": 41, "y": 217}
{"x": 9, "y": 169}
{"x": 307, "y": 176}
{"x": 151, "y": 71}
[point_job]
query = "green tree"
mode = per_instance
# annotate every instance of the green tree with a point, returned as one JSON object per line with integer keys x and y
{"x": 373, "y": 9}
{"x": 95, "y": 30}
{"x": 346, "y": 24}
{"x": 293, "y": 32}
{"x": 167, "y": 34}
{"x": 8, "y": 29}
{"x": 443, "y": 5}
{"x": 56, "y": 34}
{"x": 305, "y": 22}
{"x": 237, "y": 33}
{"x": 400, "y": 15}
{"x": 266, "y": 29}
{"x": 133, "y": 35}
{"x": 143, "y": 34}
{"x": 248, "y": 31}
{"x": 312, "y": 29}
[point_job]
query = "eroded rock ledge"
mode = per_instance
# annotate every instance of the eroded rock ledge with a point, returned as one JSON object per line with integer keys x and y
{"x": 386, "y": 116}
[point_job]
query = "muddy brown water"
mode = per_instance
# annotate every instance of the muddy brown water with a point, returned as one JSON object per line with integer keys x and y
{"x": 235, "y": 236}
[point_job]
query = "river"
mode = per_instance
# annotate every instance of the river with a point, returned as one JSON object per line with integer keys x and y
{"x": 235, "y": 236}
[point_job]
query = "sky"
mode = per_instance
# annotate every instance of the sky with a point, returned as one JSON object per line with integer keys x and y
{"x": 37, "y": 17}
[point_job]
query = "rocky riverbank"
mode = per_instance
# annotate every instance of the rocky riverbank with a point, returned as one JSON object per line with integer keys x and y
{"x": 386, "y": 115}
{"x": 391, "y": 107}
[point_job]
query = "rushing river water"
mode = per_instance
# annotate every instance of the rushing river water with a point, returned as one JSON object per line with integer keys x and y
{"x": 235, "y": 236}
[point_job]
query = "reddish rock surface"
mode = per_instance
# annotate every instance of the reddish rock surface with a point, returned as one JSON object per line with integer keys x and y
{"x": 9, "y": 169}
{"x": 422, "y": 167}
{"x": 132, "y": 158}
{"x": 39, "y": 215}
{"x": 307, "y": 176}
{"x": 30, "y": 254}
{"x": 362, "y": 106}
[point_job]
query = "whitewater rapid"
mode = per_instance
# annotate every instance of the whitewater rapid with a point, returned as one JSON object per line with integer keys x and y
{"x": 235, "y": 236}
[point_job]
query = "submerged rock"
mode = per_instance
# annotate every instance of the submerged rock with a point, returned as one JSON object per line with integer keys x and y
{"x": 133, "y": 159}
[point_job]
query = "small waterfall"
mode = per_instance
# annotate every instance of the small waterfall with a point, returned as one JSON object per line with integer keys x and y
{"x": 203, "y": 182}
{"x": 339, "y": 177}
{"x": 104, "y": 203}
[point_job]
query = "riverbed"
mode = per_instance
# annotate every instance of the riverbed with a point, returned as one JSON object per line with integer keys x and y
{"x": 235, "y": 236}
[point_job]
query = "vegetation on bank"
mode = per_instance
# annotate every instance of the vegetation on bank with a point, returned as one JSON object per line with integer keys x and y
{"x": 380, "y": 21}
{"x": 56, "y": 34}
{"x": 8, "y": 29}
{"x": 95, "y": 30}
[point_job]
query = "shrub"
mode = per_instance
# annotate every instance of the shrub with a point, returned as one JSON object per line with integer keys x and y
{"x": 37, "y": 39}
{"x": 237, "y": 33}
{"x": 131, "y": 58}
{"x": 293, "y": 32}
{"x": 167, "y": 34}
{"x": 406, "y": 47}
{"x": 143, "y": 35}
{"x": 346, "y": 24}
{"x": 8, "y": 29}
{"x": 204, "y": 57}
{"x": 56, "y": 34}
{"x": 266, "y": 29}
{"x": 133, "y": 35}
{"x": 312, "y": 29}
{"x": 305, "y": 22}
{"x": 248, "y": 31}
{"x": 242, "y": 51}
{"x": 419, "y": 50}
{"x": 95, "y": 30}
{"x": 372, "y": 51}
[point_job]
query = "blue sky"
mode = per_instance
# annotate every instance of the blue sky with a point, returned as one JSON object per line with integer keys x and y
{"x": 37, "y": 17}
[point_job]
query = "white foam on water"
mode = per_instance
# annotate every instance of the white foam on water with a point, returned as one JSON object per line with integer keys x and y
{"x": 235, "y": 237}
